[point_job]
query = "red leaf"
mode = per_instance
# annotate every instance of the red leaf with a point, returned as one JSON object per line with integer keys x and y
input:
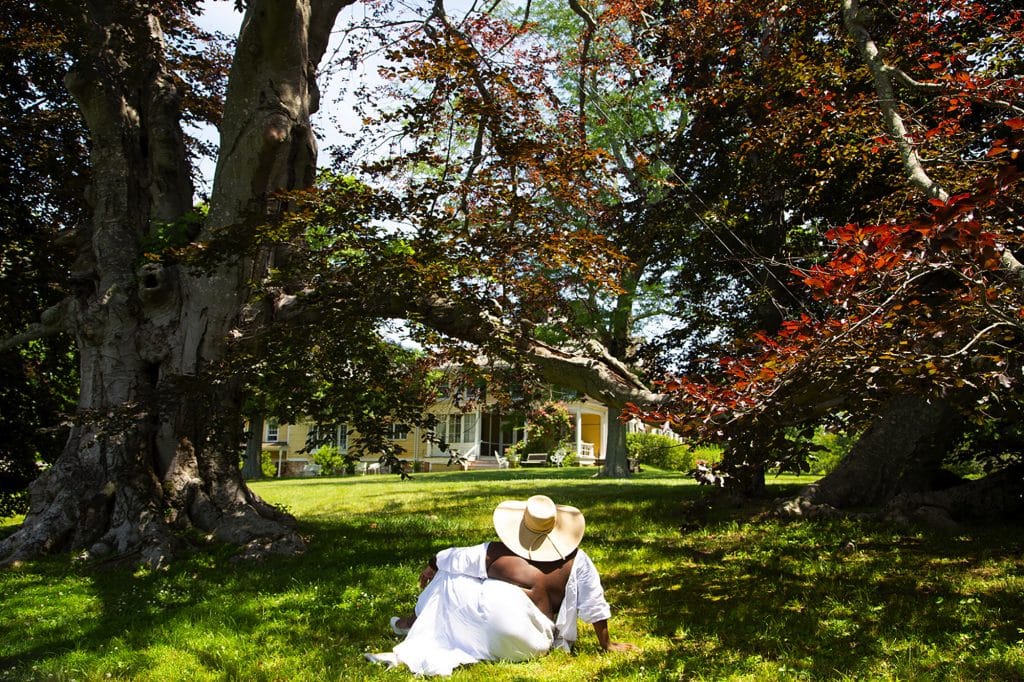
{"x": 1014, "y": 123}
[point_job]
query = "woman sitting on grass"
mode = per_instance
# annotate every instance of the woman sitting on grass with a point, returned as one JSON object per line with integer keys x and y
{"x": 510, "y": 600}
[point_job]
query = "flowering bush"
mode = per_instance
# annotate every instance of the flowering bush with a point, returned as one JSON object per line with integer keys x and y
{"x": 548, "y": 427}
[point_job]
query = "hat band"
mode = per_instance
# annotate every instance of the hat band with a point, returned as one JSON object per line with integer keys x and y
{"x": 536, "y": 525}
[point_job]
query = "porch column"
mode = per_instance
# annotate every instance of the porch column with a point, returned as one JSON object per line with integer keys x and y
{"x": 603, "y": 450}
{"x": 579, "y": 432}
{"x": 501, "y": 435}
{"x": 479, "y": 429}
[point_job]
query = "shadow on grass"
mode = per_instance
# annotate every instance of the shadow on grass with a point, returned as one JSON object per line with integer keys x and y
{"x": 800, "y": 597}
{"x": 710, "y": 593}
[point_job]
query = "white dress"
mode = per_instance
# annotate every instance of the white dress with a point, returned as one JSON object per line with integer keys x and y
{"x": 463, "y": 617}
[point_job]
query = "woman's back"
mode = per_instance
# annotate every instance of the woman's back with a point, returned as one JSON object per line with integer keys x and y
{"x": 543, "y": 582}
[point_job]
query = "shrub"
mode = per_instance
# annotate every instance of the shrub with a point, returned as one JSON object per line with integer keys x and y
{"x": 708, "y": 453}
{"x": 830, "y": 447}
{"x": 548, "y": 427}
{"x": 267, "y": 464}
{"x": 657, "y": 450}
{"x": 330, "y": 459}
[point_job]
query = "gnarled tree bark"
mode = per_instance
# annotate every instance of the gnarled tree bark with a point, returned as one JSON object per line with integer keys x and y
{"x": 156, "y": 446}
{"x": 901, "y": 453}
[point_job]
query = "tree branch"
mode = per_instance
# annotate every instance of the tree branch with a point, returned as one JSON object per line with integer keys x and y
{"x": 882, "y": 73}
{"x": 904, "y": 79}
{"x": 592, "y": 371}
{"x": 596, "y": 374}
{"x": 53, "y": 321}
{"x": 588, "y": 36}
{"x": 887, "y": 101}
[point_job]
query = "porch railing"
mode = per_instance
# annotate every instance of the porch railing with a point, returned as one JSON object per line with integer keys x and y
{"x": 585, "y": 456}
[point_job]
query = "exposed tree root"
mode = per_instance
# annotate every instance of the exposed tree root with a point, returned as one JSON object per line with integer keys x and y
{"x": 135, "y": 513}
{"x": 997, "y": 497}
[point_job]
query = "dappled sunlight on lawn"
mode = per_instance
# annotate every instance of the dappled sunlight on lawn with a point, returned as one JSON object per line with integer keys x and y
{"x": 709, "y": 589}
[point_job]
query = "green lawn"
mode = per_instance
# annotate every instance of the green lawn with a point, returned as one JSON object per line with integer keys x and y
{"x": 716, "y": 595}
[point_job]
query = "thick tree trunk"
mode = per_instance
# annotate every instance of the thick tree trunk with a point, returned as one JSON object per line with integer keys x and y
{"x": 252, "y": 464}
{"x": 900, "y": 453}
{"x": 616, "y": 463}
{"x": 744, "y": 478}
{"x": 157, "y": 442}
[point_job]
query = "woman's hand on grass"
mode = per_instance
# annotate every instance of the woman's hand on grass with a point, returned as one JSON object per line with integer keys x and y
{"x": 622, "y": 646}
{"x": 427, "y": 575}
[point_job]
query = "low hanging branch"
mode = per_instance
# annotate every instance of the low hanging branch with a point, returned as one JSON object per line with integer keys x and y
{"x": 53, "y": 321}
{"x": 593, "y": 373}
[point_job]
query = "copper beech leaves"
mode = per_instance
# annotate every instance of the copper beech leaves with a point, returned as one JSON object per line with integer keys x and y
{"x": 920, "y": 303}
{"x": 928, "y": 297}
{"x": 735, "y": 157}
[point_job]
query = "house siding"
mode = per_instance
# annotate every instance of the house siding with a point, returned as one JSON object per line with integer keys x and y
{"x": 590, "y": 417}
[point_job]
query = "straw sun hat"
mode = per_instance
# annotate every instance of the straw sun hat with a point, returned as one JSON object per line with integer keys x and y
{"x": 537, "y": 529}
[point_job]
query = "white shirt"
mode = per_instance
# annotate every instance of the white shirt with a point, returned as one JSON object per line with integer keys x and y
{"x": 584, "y": 599}
{"x": 584, "y": 594}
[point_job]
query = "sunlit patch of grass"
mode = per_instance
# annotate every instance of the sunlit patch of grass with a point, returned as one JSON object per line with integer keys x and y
{"x": 9, "y": 525}
{"x": 709, "y": 591}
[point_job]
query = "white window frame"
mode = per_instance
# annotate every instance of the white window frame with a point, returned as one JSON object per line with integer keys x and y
{"x": 341, "y": 437}
{"x": 460, "y": 424}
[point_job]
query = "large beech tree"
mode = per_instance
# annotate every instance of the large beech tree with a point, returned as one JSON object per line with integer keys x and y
{"x": 913, "y": 336}
{"x": 155, "y": 445}
{"x": 159, "y": 325}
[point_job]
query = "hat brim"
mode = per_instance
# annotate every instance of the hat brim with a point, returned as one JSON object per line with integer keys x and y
{"x": 559, "y": 543}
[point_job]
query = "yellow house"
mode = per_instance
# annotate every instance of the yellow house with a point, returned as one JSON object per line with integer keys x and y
{"x": 288, "y": 443}
{"x": 479, "y": 436}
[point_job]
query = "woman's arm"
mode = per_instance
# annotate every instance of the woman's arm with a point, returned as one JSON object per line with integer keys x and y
{"x": 604, "y": 639}
{"x": 469, "y": 561}
{"x": 429, "y": 572}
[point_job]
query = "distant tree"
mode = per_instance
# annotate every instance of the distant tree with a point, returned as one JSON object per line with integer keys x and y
{"x": 548, "y": 127}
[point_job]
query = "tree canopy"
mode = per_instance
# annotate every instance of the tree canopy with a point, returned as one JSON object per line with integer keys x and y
{"x": 818, "y": 204}
{"x": 920, "y": 294}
